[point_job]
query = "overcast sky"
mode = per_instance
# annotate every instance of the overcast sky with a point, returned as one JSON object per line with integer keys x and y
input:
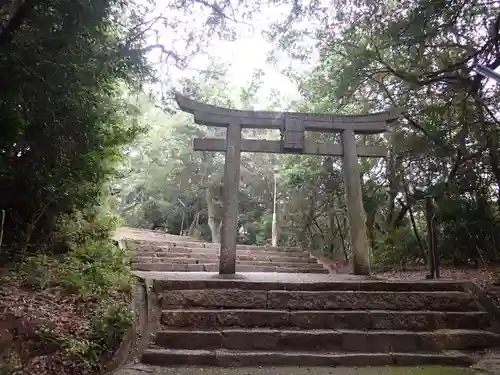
{"x": 243, "y": 56}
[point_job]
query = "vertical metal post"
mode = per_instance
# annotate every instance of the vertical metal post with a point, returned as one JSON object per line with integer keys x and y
{"x": 274, "y": 228}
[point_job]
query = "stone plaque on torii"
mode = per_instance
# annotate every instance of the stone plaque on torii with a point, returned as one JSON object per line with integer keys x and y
{"x": 292, "y": 126}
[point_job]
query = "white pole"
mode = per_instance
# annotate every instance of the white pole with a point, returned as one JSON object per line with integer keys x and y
{"x": 274, "y": 228}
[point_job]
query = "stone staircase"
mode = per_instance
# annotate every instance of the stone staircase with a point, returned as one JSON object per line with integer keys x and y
{"x": 286, "y": 312}
{"x": 316, "y": 321}
{"x": 184, "y": 255}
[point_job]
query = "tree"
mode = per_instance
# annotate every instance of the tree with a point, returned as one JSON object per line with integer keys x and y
{"x": 66, "y": 71}
{"x": 164, "y": 169}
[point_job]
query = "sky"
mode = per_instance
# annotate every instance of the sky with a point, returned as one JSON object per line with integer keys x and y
{"x": 243, "y": 56}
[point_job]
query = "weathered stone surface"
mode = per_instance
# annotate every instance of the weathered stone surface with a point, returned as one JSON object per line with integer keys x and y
{"x": 153, "y": 249}
{"x": 201, "y": 247}
{"x": 448, "y": 359}
{"x": 157, "y": 250}
{"x": 213, "y": 267}
{"x": 207, "y": 319}
{"x": 262, "y": 358}
{"x": 162, "y": 357}
{"x": 214, "y": 298}
{"x": 299, "y": 282}
{"x": 168, "y": 267}
{"x": 155, "y": 259}
{"x": 279, "y": 268}
{"x": 204, "y": 340}
{"x": 427, "y": 320}
{"x": 458, "y": 340}
{"x": 159, "y": 267}
{"x": 196, "y": 256}
{"x": 291, "y": 259}
{"x": 225, "y": 358}
{"x": 263, "y": 262}
{"x": 257, "y": 339}
{"x": 323, "y": 340}
{"x": 350, "y": 319}
{"x": 349, "y": 300}
{"x": 330, "y": 319}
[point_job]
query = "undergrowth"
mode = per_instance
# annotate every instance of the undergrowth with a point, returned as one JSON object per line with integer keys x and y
{"x": 95, "y": 275}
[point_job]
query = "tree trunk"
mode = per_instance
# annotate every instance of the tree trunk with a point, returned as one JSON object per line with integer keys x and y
{"x": 211, "y": 210}
{"x": 370, "y": 228}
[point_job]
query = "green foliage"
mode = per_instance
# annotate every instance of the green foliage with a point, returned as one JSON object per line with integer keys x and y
{"x": 97, "y": 224}
{"x": 94, "y": 266}
{"x": 64, "y": 119}
{"x": 378, "y": 55}
{"x": 470, "y": 229}
{"x": 95, "y": 269}
{"x": 163, "y": 170}
{"x": 38, "y": 271}
{"x": 108, "y": 328}
{"x": 397, "y": 247}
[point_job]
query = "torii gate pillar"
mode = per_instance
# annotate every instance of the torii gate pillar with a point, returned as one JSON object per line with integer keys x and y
{"x": 229, "y": 230}
{"x": 355, "y": 210}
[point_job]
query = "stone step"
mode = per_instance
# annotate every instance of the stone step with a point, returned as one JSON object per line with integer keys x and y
{"x": 228, "y": 358}
{"x": 257, "y": 262}
{"x": 215, "y": 251}
{"x": 307, "y": 300}
{"x": 341, "y": 319}
{"x": 326, "y": 340}
{"x": 295, "y": 282}
{"x": 214, "y": 267}
{"x": 206, "y": 245}
{"x": 203, "y": 256}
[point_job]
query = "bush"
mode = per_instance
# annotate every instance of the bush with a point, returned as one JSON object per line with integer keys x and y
{"x": 108, "y": 328}
{"x": 77, "y": 228}
{"x": 397, "y": 247}
{"x": 37, "y": 271}
{"x": 95, "y": 275}
{"x": 97, "y": 268}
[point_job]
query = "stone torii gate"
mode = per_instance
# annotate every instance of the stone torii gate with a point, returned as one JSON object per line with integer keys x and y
{"x": 292, "y": 126}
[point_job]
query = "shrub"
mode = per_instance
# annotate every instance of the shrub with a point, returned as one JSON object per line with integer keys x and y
{"x": 397, "y": 247}
{"x": 97, "y": 276}
{"x": 108, "y": 328}
{"x": 77, "y": 228}
{"x": 39, "y": 271}
{"x": 108, "y": 325}
{"x": 96, "y": 268}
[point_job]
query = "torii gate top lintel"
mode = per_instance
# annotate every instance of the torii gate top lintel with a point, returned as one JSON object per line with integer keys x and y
{"x": 210, "y": 115}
